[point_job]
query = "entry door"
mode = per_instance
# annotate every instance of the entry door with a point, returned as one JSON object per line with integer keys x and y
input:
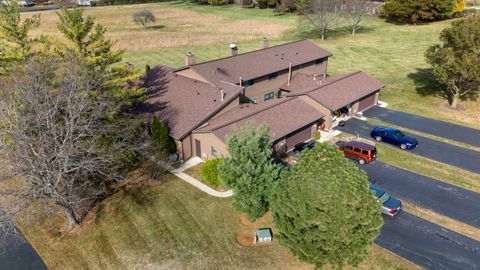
{"x": 198, "y": 150}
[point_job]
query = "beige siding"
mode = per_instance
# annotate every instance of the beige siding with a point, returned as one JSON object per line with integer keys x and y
{"x": 263, "y": 85}
{"x": 191, "y": 74}
{"x": 320, "y": 108}
{"x": 187, "y": 147}
{"x": 207, "y": 141}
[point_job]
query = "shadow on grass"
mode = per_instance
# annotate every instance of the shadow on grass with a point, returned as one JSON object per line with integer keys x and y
{"x": 425, "y": 83}
{"x": 155, "y": 27}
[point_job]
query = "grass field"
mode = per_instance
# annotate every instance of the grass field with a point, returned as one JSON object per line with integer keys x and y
{"x": 170, "y": 225}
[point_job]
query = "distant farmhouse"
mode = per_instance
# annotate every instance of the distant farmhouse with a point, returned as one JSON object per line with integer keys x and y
{"x": 284, "y": 86}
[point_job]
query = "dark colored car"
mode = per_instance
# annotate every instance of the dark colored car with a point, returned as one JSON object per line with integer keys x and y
{"x": 361, "y": 152}
{"x": 300, "y": 146}
{"x": 394, "y": 136}
{"x": 390, "y": 205}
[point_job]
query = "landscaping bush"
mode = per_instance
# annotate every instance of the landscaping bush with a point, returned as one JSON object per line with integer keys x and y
{"x": 418, "y": 10}
{"x": 217, "y": 2}
{"x": 209, "y": 173}
{"x": 316, "y": 135}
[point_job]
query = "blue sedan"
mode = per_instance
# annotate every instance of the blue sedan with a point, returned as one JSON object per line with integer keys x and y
{"x": 394, "y": 136}
{"x": 390, "y": 206}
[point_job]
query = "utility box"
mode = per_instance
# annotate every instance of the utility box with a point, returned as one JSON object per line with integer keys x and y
{"x": 263, "y": 236}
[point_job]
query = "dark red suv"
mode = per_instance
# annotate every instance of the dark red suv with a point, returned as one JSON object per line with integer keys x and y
{"x": 361, "y": 152}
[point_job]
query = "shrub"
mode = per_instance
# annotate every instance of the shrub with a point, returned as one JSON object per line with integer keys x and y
{"x": 209, "y": 172}
{"x": 316, "y": 135}
{"x": 217, "y": 2}
{"x": 418, "y": 10}
{"x": 161, "y": 138}
{"x": 147, "y": 68}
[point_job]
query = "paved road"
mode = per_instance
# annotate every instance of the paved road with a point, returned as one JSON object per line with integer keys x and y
{"x": 426, "y": 125}
{"x": 20, "y": 255}
{"x": 428, "y": 244}
{"x": 443, "y": 198}
{"x": 432, "y": 149}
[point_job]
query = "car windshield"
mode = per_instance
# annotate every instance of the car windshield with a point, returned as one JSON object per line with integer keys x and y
{"x": 399, "y": 134}
{"x": 384, "y": 198}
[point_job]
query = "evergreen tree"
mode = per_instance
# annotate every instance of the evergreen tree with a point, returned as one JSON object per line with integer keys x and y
{"x": 15, "y": 42}
{"x": 88, "y": 38}
{"x": 323, "y": 210}
{"x": 456, "y": 63}
{"x": 418, "y": 10}
{"x": 249, "y": 170}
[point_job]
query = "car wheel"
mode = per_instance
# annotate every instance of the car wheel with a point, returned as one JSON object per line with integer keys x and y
{"x": 378, "y": 138}
{"x": 403, "y": 146}
{"x": 361, "y": 161}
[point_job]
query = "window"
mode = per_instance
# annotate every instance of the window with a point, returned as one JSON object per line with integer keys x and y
{"x": 268, "y": 96}
{"x": 318, "y": 61}
{"x": 356, "y": 150}
{"x": 349, "y": 148}
{"x": 214, "y": 152}
{"x": 272, "y": 76}
{"x": 248, "y": 83}
{"x": 365, "y": 152}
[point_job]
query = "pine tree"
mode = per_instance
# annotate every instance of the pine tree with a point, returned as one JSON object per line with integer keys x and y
{"x": 323, "y": 210}
{"x": 249, "y": 170}
{"x": 88, "y": 38}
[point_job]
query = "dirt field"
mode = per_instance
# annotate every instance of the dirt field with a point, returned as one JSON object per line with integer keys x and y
{"x": 174, "y": 27}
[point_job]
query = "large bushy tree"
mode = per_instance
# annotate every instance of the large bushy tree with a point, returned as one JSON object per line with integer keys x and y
{"x": 249, "y": 169}
{"x": 65, "y": 126}
{"x": 456, "y": 62}
{"x": 418, "y": 10}
{"x": 323, "y": 210}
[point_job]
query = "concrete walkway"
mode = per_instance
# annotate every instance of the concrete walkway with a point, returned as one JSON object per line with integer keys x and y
{"x": 179, "y": 172}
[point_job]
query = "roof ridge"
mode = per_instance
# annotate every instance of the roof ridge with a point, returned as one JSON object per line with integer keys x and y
{"x": 257, "y": 50}
{"x": 250, "y": 114}
{"x": 348, "y": 75}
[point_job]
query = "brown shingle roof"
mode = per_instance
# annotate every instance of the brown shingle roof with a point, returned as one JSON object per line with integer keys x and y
{"x": 181, "y": 102}
{"x": 336, "y": 91}
{"x": 283, "y": 116}
{"x": 259, "y": 63}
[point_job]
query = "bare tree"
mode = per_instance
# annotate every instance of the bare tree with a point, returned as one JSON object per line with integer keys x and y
{"x": 355, "y": 11}
{"x": 324, "y": 15}
{"x": 60, "y": 140}
{"x": 143, "y": 18}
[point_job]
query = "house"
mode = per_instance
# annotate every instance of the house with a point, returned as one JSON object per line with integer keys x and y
{"x": 285, "y": 86}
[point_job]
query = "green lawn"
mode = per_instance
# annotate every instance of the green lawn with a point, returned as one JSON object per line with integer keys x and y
{"x": 171, "y": 225}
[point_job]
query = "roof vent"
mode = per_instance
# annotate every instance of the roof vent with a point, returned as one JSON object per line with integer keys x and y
{"x": 264, "y": 43}
{"x": 190, "y": 59}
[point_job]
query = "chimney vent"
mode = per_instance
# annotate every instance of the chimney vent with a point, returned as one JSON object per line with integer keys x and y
{"x": 233, "y": 49}
{"x": 222, "y": 95}
{"x": 264, "y": 43}
{"x": 189, "y": 59}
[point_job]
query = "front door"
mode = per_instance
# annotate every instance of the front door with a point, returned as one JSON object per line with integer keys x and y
{"x": 198, "y": 150}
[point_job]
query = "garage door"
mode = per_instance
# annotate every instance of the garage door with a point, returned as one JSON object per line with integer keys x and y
{"x": 299, "y": 136}
{"x": 366, "y": 102}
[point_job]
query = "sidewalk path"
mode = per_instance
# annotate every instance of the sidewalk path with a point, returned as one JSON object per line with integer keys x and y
{"x": 179, "y": 172}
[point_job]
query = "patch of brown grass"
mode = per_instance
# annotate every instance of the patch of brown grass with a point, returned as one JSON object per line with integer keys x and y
{"x": 174, "y": 27}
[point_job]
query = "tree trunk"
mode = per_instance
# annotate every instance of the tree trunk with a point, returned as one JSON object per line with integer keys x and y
{"x": 353, "y": 31}
{"x": 72, "y": 218}
{"x": 454, "y": 102}
{"x": 322, "y": 34}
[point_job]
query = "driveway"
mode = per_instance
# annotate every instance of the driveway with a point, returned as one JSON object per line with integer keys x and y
{"x": 443, "y": 198}
{"x": 426, "y": 125}
{"x": 20, "y": 255}
{"x": 427, "y": 244}
{"x": 432, "y": 149}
